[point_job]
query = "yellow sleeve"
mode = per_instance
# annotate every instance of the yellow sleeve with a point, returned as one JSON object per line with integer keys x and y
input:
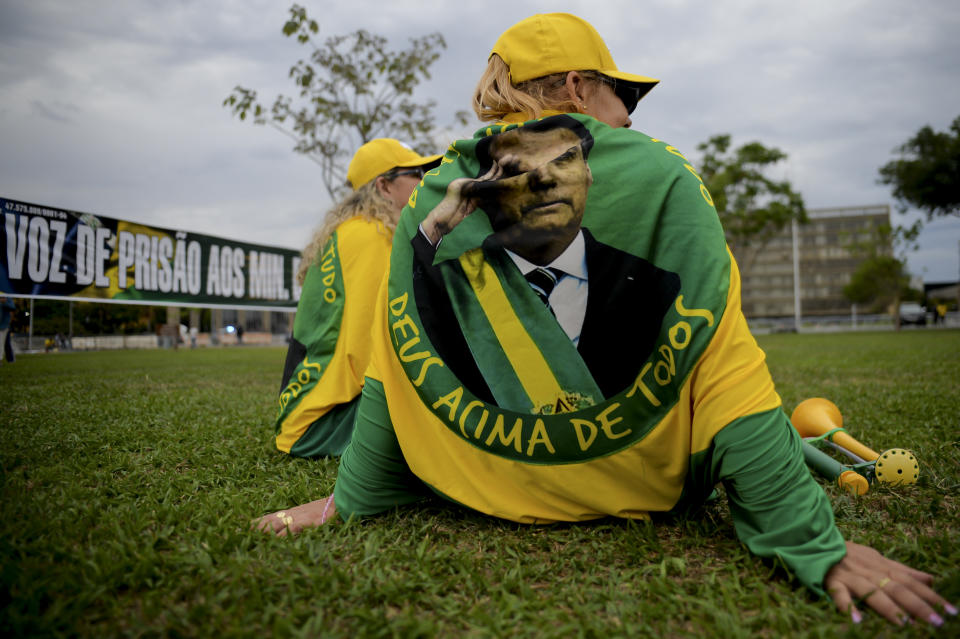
{"x": 365, "y": 257}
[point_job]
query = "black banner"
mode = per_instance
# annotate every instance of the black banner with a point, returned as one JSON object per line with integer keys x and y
{"x": 55, "y": 253}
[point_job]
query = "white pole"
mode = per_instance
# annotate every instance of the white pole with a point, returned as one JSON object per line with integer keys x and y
{"x": 796, "y": 275}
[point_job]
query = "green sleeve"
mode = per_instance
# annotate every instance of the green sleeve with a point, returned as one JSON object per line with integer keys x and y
{"x": 778, "y": 508}
{"x": 329, "y": 434}
{"x": 373, "y": 474}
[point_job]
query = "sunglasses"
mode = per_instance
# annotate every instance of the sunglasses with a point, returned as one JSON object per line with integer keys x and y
{"x": 418, "y": 171}
{"x": 628, "y": 93}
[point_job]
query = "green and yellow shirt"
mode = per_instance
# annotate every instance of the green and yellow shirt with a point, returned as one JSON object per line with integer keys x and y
{"x": 547, "y": 439}
{"x": 330, "y": 349}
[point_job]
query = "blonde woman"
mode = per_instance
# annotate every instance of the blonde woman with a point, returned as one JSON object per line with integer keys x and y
{"x": 340, "y": 272}
{"x": 560, "y": 337}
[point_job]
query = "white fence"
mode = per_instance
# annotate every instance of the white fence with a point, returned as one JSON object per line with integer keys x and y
{"x": 41, "y": 343}
{"x": 758, "y": 326}
{"x": 841, "y": 323}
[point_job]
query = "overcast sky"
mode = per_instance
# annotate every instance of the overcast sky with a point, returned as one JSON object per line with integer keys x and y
{"x": 114, "y": 107}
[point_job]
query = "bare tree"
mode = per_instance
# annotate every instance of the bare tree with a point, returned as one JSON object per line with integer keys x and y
{"x": 351, "y": 89}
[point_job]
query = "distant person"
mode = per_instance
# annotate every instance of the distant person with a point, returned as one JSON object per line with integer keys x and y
{"x": 7, "y": 308}
{"x": 60, "y": 341}
{"x": 341, "y": 270}
{"x": 194, "y": 331}
{"x": 8, "y": 353}
{"x": 239, "y": 334}
{"x": 940, "y": 316}
{"x": 498, "y": 406}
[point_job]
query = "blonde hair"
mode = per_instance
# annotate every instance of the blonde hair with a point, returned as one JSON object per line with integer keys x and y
{"x": 366, "y": 202}
{"x": 496, "y": 96}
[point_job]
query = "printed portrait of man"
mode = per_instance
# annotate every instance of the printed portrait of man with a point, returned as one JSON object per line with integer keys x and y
{"x": 533, "y": 186}
{"x": 536, "y": 204}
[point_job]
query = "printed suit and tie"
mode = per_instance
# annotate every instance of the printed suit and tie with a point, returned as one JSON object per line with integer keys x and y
{"x": 533, "y": 190}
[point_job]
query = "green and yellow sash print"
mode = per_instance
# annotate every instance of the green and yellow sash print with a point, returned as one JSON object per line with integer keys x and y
{"x": 650, "y": 312}
{"x": 317, "y": 322}
{"x": 512, "y": 335}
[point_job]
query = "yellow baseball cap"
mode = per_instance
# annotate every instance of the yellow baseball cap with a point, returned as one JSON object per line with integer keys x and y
{"x": 379, "y": 156}
{"x": 549, "y": 43}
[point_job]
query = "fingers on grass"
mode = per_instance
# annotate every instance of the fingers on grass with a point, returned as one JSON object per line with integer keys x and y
{"x": 850, "y": 584}
{"x": 262, "y": 524}
{"x": 932, "y": 602}
{"x": 923, "y": 577}
{"x": 843, "y": 601}
{"x": 275, "y": 523}
{"x": 898, "y": 603}
{"x": 903, "y": 571}
{"x": 279, "y": 527}
{"x": 917, "y": 592}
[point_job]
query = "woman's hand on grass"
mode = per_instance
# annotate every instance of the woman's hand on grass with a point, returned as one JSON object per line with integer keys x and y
{"x": 293, "y": 520}
{"x": 896, "y": 591}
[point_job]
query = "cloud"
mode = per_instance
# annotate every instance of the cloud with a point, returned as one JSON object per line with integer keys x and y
{"x": 55, "y": 112}
{"x": 115, "y": 108}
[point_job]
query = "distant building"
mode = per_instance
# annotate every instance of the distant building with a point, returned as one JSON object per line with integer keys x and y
{"x": 825, "y": 264}
{"x": 941, "y": 291}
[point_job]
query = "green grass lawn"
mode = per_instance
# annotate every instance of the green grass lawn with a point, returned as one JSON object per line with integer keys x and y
{"x": 129, "y": 480}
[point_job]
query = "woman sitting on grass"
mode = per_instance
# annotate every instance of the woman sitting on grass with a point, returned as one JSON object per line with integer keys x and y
{"x": 340, "y": 272}
{"x": 560, "y": 338}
